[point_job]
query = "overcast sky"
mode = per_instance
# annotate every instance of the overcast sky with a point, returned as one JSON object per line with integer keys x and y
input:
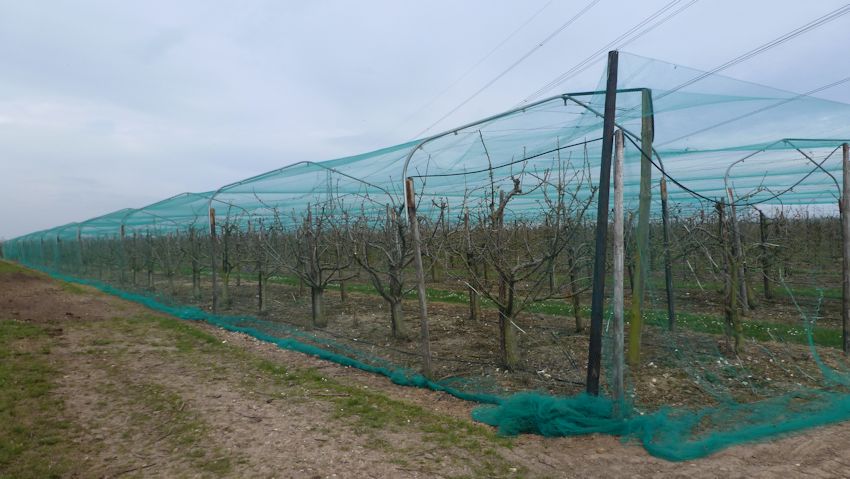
{"x": 107, "y": 104}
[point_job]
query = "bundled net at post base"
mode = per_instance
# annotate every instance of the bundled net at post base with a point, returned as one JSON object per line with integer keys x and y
{"x": 732, "y": 283}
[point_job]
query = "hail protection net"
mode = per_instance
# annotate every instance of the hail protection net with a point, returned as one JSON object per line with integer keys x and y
{"x": 732, "y": 261}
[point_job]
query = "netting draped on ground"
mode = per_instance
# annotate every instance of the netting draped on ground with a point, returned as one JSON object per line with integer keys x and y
{"x": 733, "y": 277}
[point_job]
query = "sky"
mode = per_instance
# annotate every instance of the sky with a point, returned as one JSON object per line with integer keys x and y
{"x": 106, "y": 105}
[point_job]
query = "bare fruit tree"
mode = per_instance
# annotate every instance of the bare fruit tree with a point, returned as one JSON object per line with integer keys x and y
{"x": 383, "y": 249}
{"x": 524, "y": 251}
{"x": 319, "y": 258}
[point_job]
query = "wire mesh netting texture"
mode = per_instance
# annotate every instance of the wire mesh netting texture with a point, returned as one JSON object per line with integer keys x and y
{"x": 733, "y": 261}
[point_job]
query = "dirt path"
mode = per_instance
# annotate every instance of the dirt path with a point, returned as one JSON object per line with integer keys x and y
{"x": 130, "y": 393}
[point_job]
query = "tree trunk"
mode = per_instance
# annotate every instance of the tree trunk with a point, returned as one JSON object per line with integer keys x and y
{"x": 225, "y": 290}
{"x": 474, "y": 300}
{"x": 435, "y": 270}
{"x": 261, "y": 287}
{"x": 573, "y": 291}
{"x": 318, "y": 317}
{"x": 508, "y": 348}
{"x": 474, "y": 304}
{"x": 739, "y": 261}
{"x": 730, "y": 285}
{"x": 196, "y": 279}
{"x": 397, "y": 321}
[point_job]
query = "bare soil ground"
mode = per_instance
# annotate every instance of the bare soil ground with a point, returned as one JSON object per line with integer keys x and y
{"x": 93, "y": 386}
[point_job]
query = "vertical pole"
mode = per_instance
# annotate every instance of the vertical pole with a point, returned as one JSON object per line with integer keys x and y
{"x": 212, "y": 262}
{"x": 134, "y": 258}
{"x": 619, "y": 260}
{"x": 594, "y": 354}
{"x": 474, "y": 303}
{"x": 123, "y": 250}
{"x": 261, "y": 262}
{"x": 57, "y": 253}
{"x": 642, "y": 251}
{"x": 420, "y": 277}
{"x": 80, "y": 249}
{"x": 668, "y": 264}
{"x": 765, "y": 261}
{"x": 845, "y": 233}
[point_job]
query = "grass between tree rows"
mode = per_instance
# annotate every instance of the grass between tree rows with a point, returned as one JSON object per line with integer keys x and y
{"x": 702, "y": 323}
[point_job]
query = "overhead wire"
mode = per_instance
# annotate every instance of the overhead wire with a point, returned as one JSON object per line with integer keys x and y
{"x": 477, "y": 64}
{"x": 818, "y": 22}
{"x": 620, "y": 42}
{"x": 513, "y": 65}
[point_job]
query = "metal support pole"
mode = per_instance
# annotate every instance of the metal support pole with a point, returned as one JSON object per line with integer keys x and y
{"x": 668, "y": 263}
{"x": 844, "y": 207}
{"x": 619, "y": 262}
{"x": 213, "y": 268}
{"x": 594, "y": 354}
{"x": 410, "y": 196}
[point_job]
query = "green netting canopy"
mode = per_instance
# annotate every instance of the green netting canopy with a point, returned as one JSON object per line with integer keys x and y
{"x": 507, "y": 209}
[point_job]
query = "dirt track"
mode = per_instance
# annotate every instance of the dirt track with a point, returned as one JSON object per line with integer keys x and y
{"x": 151, "y": 397}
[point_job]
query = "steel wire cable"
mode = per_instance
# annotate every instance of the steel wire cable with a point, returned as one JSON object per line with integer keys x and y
{"x": 521, "y": 59}
{"x": 477, "y": 64}
{"x": 620, "y": 42}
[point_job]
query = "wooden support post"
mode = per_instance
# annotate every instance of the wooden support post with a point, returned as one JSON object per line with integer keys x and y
{"x": 134, "y": 259}
{"x": 597, "y": 302}
{"x": 765, "y": 261}
{"x": 420, "y": 277}
{"x": 122, "y": 233}
{"x": 261, "y": 265}
{"x": 845, "y": 243}
{"x": 213, "y": 268}
{"x": 573, "y": 289}
{"x": 471, "y": 263}
{"x": 57, "y": 253}
{"x": 619, "y": 263}
{"x": 668, "y": 265}
{"x": 641, "y": 256}
{"x": 80, "y": 249}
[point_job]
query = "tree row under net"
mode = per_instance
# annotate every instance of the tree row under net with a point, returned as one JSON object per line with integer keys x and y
{"x": 475, "y": 261}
